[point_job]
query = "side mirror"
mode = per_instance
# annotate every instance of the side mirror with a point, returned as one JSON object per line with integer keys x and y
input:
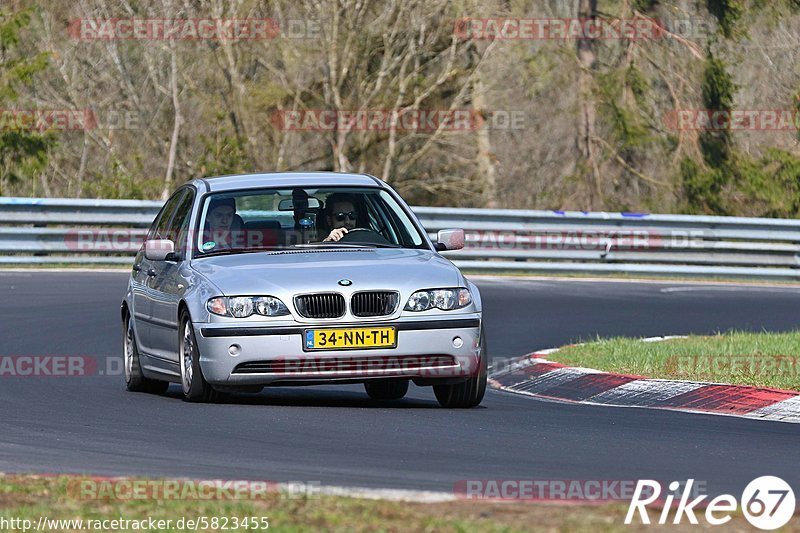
{"x": 158, "y": 249}
{"x": 450, "y": 239}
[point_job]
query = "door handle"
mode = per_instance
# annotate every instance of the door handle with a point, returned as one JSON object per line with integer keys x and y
{"x": 151, "y": 272}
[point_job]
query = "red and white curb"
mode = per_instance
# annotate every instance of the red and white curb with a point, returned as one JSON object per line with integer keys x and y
{"x": 535, "y": 375}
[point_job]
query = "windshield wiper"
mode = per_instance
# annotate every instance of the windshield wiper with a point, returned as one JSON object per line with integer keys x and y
{"x": 332, "y": 243}
{"x": 227, "y": 251}
{"x": 349, "y": 245}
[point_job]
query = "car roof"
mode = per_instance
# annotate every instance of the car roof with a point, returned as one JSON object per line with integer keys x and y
{"x": 287, "y": 180}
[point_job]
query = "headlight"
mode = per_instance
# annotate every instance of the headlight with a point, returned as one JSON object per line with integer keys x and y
{"x": 240, "y": 307}
{"x": 244, "y": 306}
{"x": 269, "y": 306}
{"x": 444, "y": 299}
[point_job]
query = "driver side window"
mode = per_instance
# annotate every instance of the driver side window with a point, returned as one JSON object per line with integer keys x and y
{"x": 159, "y": 229}
{"x": 179, "y": 225}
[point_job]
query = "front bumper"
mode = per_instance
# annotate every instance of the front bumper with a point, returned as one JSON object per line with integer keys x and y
{"x": 259, "y": 354}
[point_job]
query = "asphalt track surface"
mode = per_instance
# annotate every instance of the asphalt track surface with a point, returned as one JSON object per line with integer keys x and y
{"x": 337, "y": 436}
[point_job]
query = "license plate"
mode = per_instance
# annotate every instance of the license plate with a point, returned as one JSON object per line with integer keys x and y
{"x": 350, "y": 338}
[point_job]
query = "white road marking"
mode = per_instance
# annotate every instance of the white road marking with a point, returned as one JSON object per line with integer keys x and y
{"x": 731, "y": 288}
{"x": 644, "y": 391}
{"x": 77, "y": 270}
{"x": 787, "y": 411}
{"x": 552, "y": 379}
{"x": 688, "y": 284}
{"x": 665, "y": 338}
{"x": 397, "y": 495}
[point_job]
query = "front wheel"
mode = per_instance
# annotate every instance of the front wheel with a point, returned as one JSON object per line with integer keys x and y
{"x": 194, "y": 386}
{"x": 388, "y": 389}
{"x": 469, "y": 393}
{"x": 134, "y": 379}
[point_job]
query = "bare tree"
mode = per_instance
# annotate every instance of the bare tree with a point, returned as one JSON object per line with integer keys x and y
{"x": 587, "y": 58}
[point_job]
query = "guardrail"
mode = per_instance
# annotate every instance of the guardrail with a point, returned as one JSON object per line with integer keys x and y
{"x": 38, "y": 231}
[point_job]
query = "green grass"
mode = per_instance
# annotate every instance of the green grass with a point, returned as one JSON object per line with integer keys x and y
{"x": 761, "y": 359}
{"x": 31, "y": 497}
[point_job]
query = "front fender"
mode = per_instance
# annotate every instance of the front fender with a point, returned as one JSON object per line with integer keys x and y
{"x": 199, "y": 290}
{"x": 476, "y": 296}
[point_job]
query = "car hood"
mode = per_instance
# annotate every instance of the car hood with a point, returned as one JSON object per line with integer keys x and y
{"x": 295, "y": 271}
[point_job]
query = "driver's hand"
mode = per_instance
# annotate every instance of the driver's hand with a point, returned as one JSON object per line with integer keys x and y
{"x": 335, "y": 235}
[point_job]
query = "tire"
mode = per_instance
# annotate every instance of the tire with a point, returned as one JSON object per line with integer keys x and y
{"x": 386, "y": 389}
{"x": 134, "y": 379}
{"x": 194, "y": 386}
{"x": 469, "y": 393}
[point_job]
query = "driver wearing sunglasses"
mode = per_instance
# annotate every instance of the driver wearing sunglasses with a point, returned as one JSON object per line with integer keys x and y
{"x": 341, "y": 216}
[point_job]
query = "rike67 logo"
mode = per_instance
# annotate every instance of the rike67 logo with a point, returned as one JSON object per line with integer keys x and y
{"x": 767, "y": 503}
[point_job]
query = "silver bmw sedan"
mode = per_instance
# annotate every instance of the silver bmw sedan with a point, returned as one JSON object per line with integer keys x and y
{"x": 300, "y": 279}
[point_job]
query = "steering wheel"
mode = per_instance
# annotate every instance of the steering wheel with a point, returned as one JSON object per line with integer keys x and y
{"x": 363, "y": 235}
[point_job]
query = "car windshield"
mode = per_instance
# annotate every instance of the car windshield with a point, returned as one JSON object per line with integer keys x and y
{"x": 275, "y": 219}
